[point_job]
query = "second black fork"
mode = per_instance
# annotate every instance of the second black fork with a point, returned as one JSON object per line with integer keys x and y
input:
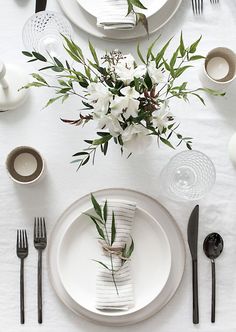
{"x": 40, "y": 243}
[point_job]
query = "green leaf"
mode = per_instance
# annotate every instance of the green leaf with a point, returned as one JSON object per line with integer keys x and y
{"x": 137, "y": 3}
{"x": 113, "y": 228}
{"x": 162, "y": 52}
{"x": 140, "y": 54}
{"x": 105, "y": 211}
{"x": 34, "y": 84}
{"x": 131, "y": 249}
{"x": 174, "y": 58}
{"x": 27, "y": 54}
{"x": 52, "y": 100}
{"x": 149, "y": 52}
{"x": 166, "y": 142}
{"x": 199, "y": 97}
{"x": 181, "y": 46}
{"x": 196, "y": 57}
{"x": 101, "y": 263}
{"x": 39, "y": 56}
{"x": 102, "y": 140}
{"x": 38, "y": 78}
{"x": 194, "y": 46}
{"x": 58, "y": 62}
{"x": 143, "y": 20}
{"x": 96, "y": 206}
{"x": 181, "y": 70}
{"x": 94, "y": 217}
{"x": 93, "y": 52}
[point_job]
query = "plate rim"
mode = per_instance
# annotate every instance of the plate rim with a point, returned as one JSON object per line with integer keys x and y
{"x": 168, "y": 298}
{"x": 78, "y": 1}
{"x": 129, "y": 312}
{"x": 102, "y": 34}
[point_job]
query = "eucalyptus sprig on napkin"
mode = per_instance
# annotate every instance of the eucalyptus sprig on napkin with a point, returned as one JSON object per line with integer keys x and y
{"x": 128, "y": 100}
{"x": 107, "y": 238}
{"x": 140, "y": 17}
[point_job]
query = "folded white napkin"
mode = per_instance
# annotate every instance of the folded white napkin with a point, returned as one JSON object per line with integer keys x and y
{"x": 113, "y": 15}
{"x": 106, "y": 294}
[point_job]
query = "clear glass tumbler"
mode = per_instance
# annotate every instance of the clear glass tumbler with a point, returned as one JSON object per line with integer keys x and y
{"x": 43, "y": 33}
{"x": 189, "y": 175}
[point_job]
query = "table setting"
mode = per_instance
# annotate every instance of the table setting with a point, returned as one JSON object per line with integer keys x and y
{"x": 118, "y": 165}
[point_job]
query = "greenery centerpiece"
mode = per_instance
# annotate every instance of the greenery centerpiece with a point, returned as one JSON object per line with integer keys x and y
{"x": 128, "y": 100}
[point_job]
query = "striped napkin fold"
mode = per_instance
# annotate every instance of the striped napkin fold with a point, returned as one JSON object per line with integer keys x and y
{"x": 113, "y": 15}
{"x": 106, "y": 293}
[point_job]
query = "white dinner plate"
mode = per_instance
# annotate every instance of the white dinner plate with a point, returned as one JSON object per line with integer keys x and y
{"x": 87, "y": 22}
{"x": 150, "y": 264}
{"x": 152, "y": 6}
{"x": 73, "y": 235}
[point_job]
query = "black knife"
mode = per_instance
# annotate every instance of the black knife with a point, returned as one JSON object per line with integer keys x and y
{"x": 193, "y": 244}
{"x": 40, "y": 5}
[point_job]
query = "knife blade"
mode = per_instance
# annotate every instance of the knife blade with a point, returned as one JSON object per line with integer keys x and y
{"x": 193, "y": 244}
{"x": 40, "y": 5}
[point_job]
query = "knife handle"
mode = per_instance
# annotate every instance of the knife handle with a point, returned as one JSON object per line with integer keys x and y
{"x": 195, "y": 293}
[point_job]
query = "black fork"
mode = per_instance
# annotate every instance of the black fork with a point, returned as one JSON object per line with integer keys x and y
{"x": 197, "y": 6}
{"x": 40, "y": 243}
{"x": 22, "y": 253}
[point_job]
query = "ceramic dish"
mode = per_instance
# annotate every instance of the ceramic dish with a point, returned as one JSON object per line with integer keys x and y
{"x": 87, "y": 22}
{"x": 64, "y": 249}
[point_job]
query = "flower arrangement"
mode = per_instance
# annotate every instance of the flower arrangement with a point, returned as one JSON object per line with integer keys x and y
{"x": 128, "y": 101}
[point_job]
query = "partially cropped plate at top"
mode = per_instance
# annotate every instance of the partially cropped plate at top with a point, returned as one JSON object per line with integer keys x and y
{"x": 88, "y": 23}
{"x": 151, "y": 5}
{"x": 156, "y": 275}
{"x": 150, "y": 263}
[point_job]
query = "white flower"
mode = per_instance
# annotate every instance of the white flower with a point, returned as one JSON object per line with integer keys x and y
{"x": 136, "y": 138}
{"x": 99, "y": 97}
{"x": 140, "y": 71}
{"x": 155, "y": 73}
{"x": 111, "y": 123}
{"x": 161, "y": 117}
{"x": 127, "y": 105}
{"x": 125, "y": 69}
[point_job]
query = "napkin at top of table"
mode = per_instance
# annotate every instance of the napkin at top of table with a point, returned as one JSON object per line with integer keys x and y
{"x": 106, "y": 294}
{"x": 113, "y": 15}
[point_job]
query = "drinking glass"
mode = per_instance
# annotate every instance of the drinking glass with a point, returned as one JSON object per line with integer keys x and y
{"x": 189, "y": 175}
{"x": 43, "y": 33}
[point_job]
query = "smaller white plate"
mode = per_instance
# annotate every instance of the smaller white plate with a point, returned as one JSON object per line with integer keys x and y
{"x": 150, "y": 263}
{"x": 151, "y": 5}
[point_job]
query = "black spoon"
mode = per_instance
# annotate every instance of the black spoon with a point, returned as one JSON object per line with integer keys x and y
{"x": 213, "y": 246}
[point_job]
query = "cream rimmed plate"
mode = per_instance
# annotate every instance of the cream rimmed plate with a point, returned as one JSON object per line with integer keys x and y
{"x": 88, "y": 23}
{"x": 152, "y": 6}
{"x": 73, "y": 245}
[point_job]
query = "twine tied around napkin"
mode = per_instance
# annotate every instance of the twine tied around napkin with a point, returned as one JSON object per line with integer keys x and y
{"x": 107, "y": 297}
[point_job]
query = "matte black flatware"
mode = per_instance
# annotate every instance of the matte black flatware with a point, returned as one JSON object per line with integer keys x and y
{"x": 40, "y": 5}
{"x": 197, "y": 7}
{"x": 213, "y": 246}
{"x": 40, "y": 243}
{"x": 193, "y": 244}
{"x": 22, "y": 253}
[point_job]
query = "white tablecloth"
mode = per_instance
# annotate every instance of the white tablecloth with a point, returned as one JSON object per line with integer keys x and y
{"x": 212, "y": 128}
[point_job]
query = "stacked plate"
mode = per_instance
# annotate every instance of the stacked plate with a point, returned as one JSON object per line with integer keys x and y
{"x": 156, "y": 275}
{"x": 83, "y": 14}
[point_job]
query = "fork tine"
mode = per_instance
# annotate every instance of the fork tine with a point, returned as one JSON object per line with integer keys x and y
{"x": 17, "y": 239}
{"x": 20, "y": 239}
{"x": 26, "y": 239}
{"x": 34, "y": 228}
{"x": 44, "y": 228}
{"x": 41, "y": 228}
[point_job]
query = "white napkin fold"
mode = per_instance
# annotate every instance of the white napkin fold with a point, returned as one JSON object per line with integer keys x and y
{"x": 113, "y": 15}
{"x": 106, "y": 294}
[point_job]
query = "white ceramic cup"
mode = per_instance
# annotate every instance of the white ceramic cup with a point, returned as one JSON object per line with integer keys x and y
{"x": 219, "y": 68}
{"x": 25, "y": 165}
